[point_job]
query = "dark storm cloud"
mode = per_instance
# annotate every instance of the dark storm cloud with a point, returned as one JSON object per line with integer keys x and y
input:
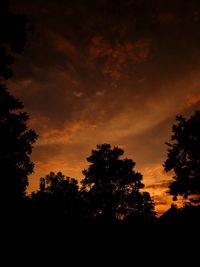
{"x": 114, "y": 49}
{"x": 117, "y": 23}
{"x": 102, "y": 41}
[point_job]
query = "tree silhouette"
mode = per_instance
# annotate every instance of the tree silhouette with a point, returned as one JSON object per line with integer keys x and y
{"x": 13, "y": 29}
{"x": 112, "y": 186}
{"x": 184, "y": 157}
{"x": 15, "y": 146}
{"x": 59, "y": 196}
{"x": 15, "y": 138}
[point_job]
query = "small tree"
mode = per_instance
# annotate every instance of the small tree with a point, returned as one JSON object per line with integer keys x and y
{"x": 183, "y": 157}
{"x": 59, "y": 195}
{"x": 113, "y": 186}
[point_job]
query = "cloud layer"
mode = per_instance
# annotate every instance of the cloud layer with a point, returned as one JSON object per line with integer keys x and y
{"x": 108, "y": 71}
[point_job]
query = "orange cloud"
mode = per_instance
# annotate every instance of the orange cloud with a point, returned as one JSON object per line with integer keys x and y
{"x": 65, "y": 46}
{"x": 118, "y": 57}
{"x": 162, "y": 202}
{"x": 167, "y": 18}
{"x": 157, "y": 182}
{"x": 52, "y": 135}
{"x": 138, "y": 52}
{"x": 193, "y": 98}
{"x": 99, "y": 47}
{"x": 114, "y": 63}
{"x": 124, "y": 55}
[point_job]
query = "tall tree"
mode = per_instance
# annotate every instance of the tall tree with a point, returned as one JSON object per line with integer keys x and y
{"x": 15, "y": 146}
{"x": 113, "y": 186}
{"x": 184, "y": 157}
{"x": 15, "y": 138}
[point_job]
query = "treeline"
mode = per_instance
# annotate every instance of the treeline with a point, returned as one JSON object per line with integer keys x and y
{"x": 110, "y": 192}
{"x": 111, "y": 189}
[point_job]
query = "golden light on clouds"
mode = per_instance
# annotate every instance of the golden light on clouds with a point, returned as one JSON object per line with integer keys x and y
{"x": 193, "y": 99}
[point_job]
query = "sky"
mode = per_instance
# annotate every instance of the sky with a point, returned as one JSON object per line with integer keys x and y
{"x": 108, "y": 71}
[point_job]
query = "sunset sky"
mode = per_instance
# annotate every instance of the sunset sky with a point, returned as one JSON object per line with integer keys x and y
{"x": 108, "y": 71}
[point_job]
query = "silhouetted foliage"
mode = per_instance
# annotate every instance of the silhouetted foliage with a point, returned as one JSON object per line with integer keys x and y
{"x": 187, "y": 215}
{"x": 184, "y": 157}
{"x": 112, "y": 186}
{"x": 15, "y": 146}
{"x": 13, "y": 29}
{"x": 59, "y": 196}
{"x": 15, "y": 138}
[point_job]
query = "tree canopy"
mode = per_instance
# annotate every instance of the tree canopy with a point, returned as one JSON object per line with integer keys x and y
{"x": 13, "y": 29}
{"x": 15, "y": 138}
{"x": 184, "y": 157}
{"x": 16, "y": 146}
{"x": 113, "y": 186}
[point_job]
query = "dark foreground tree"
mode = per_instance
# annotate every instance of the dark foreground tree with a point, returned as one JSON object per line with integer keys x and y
{"x": 59, "y": 197}
{"x": 13, "y": 29}
{"x": 184, "y": 158}
{"x": 15, "y": 147}
{"x": 113, "y": 186}
{"x": 15, "y": 138}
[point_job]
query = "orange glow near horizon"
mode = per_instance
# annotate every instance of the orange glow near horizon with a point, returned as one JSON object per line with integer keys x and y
{"x": 151, "y": 177}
